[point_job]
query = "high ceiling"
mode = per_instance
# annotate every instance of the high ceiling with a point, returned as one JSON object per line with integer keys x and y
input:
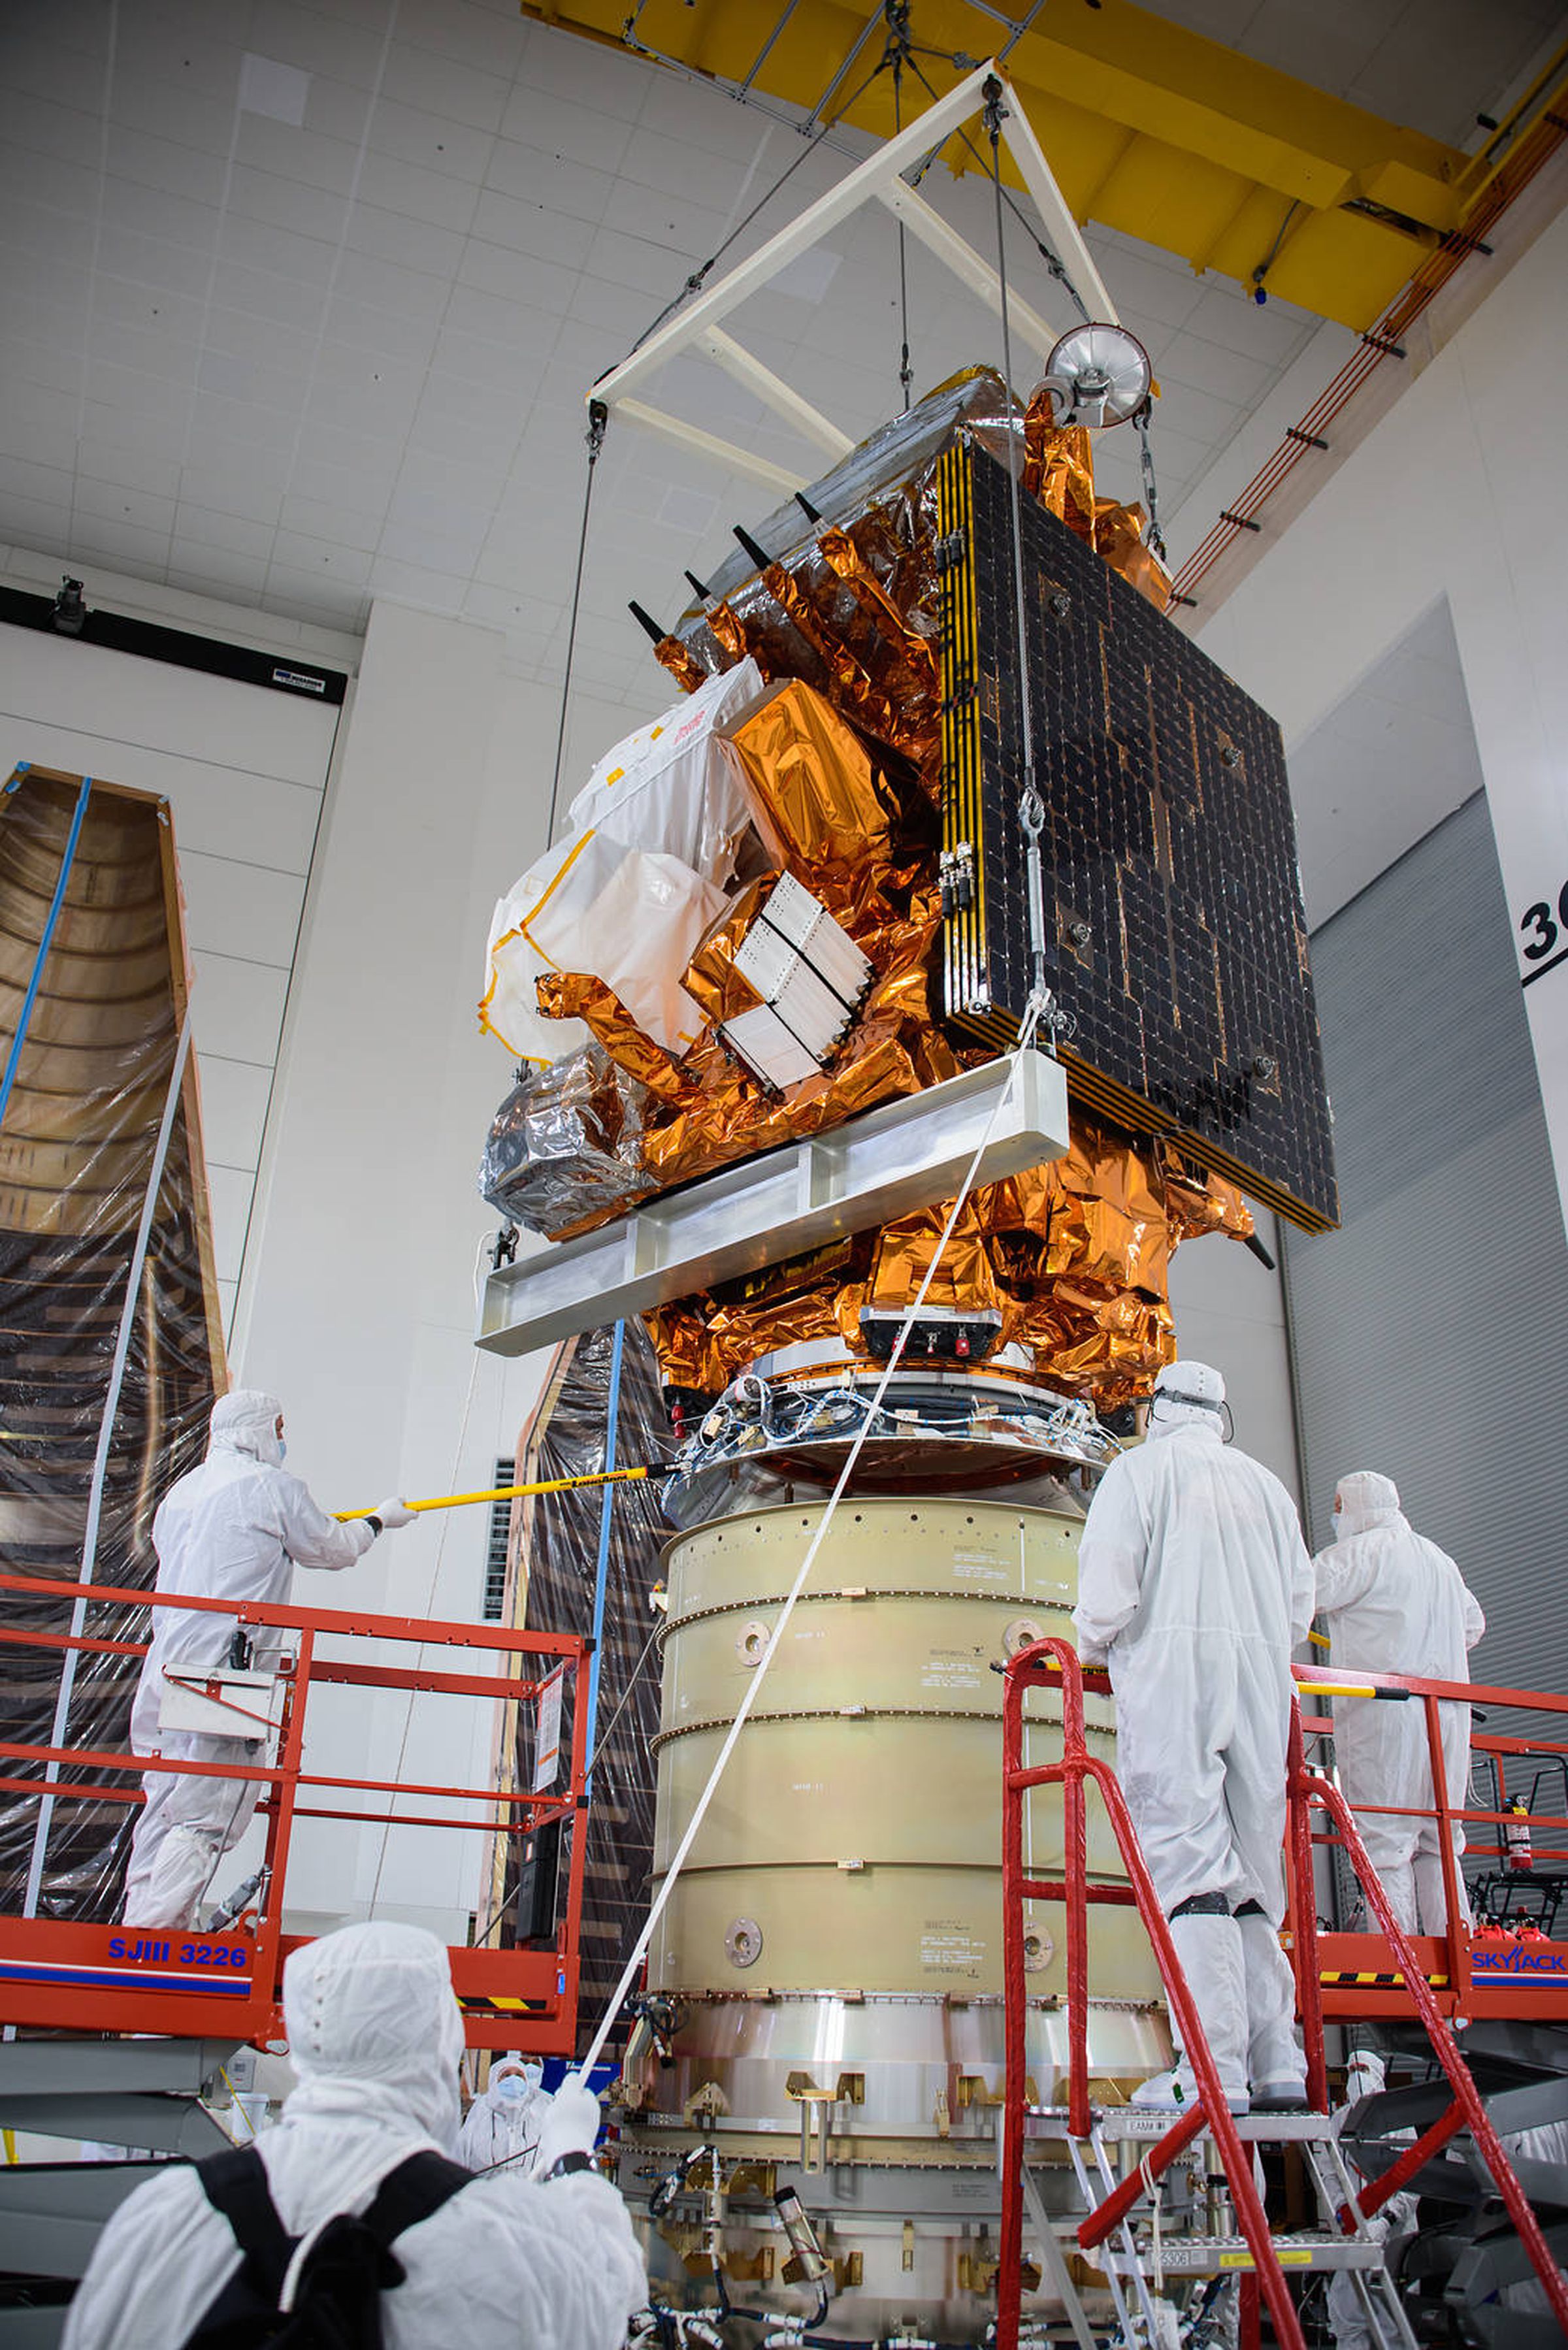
{"x": 1433, "y": 65}
{"x": 1211, "y": 152}
{"x": 301, "y": 302}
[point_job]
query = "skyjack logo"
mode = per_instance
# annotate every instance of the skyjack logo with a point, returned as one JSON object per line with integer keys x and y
{"x": 1519, "y": 1962}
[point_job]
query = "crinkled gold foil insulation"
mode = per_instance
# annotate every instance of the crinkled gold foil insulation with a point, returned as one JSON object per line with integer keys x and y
{"x": 840, "y": 769}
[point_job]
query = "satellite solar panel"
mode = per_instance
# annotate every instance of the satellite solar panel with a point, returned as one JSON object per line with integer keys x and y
{"x": 1176, "y": 940}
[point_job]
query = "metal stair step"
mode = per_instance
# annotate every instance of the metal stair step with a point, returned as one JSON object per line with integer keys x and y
{"x": 1116, "y": 2123}
{"x": 1220, "y": 2255}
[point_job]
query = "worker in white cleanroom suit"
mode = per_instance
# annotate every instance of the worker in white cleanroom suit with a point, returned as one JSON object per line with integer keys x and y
{"x": 502, "y": 2125}
{"x": 1397, "y": 1604}
{"x": 375, "y": 2037}
{"x": 1194, "y": 1585}
{"x": 234, "y": 1528}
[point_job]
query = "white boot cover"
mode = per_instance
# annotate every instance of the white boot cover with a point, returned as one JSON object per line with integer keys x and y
{"x": 1210, "y": 1949}
{"x": 1275, "y": 2065}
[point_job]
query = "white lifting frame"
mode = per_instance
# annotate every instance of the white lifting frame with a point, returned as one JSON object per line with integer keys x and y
{"x": 987, "y": 1123}
{"x": 879, "y": 179}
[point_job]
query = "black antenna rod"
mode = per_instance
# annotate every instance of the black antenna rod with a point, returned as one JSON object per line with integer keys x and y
{"x": 759, "y": 556}
{"x": 646, "y": 620}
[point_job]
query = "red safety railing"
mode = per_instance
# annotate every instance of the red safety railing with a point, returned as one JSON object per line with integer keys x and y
{"x": 1054, "y": 1664}
{"x": 1308, "y": 1790}
{"x": 98, "y": 1977}
{"x": 1484, "y": 1970}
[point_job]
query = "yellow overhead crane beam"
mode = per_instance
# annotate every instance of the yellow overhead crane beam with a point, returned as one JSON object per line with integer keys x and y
{"x": 1150, "y": 128}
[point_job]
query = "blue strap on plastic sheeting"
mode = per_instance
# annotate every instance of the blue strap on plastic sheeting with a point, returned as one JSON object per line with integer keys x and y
{"x": 601, "y": 1570}
{"x": 13, "y": 1058}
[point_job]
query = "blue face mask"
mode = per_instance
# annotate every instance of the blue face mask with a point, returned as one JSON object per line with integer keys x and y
{"x": 282, "y": 1449}
{"x": 512, "y": 2084}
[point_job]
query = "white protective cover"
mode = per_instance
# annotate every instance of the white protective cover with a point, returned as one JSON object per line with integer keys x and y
{"x": 375, "y": 2037}
{"x": 1195, "y": 1584}
{"x": 1397, "y": 1604}
{"x": 638, "y": 874}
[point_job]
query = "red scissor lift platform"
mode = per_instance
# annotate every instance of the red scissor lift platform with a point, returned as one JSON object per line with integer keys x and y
{"x": 95, "y": 1979}
{"x": 1437, "y": 1982}
{"x": 1498, "y": 1968}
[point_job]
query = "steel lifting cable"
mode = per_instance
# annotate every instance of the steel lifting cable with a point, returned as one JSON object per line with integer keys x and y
{"x": 906, "y": 373}
{"x": 699, "y": 276}
{"x": 599, "y": 413}
{"x": 633, "y": 1967}
{"x": 896, "y": 50}
{"x": 598, "y": 418}
{"x": 1155, "y": 539}
{"x": 1052, "y": 260}
{"x": 1031, "y": 806}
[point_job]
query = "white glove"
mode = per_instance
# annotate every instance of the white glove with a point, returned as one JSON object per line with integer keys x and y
{"x": 394, "y": 1513}
{"x": 571, "y": 2126}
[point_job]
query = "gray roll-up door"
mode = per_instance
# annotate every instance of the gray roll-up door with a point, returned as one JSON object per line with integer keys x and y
{"x": 1428, "y": 1333}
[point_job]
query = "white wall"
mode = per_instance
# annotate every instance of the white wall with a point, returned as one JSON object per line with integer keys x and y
{"x": 1229, "y": 1311}
{"x": 244, "y": 769}
{"x": 1462, "y": 492}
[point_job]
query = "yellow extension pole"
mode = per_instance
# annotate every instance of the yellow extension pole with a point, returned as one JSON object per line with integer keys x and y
{"x": 508, "y": 1493}
{"x": 1307, "y": 1689}
{"x": 1353, "y": 1689}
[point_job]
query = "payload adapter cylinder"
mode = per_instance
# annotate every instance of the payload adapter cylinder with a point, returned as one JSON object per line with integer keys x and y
{"x": 825, "y": 2004}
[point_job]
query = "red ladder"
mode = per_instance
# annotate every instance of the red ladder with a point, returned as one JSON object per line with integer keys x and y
{"x": 1054, "y": 1664}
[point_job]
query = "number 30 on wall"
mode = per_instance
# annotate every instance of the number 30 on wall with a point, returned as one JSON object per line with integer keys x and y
{"x": 1545, "y": 935}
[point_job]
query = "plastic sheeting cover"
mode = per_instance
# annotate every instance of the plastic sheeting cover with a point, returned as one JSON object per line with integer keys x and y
{"x": 633, "y": 883}
{"x": 560, "y": 1540}
{"x": 77, "y": 1150}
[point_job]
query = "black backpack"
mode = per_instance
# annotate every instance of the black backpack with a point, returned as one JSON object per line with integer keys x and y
{"x": 337, "y": 2299}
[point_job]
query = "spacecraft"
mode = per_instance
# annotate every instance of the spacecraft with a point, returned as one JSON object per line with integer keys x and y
{"x": 803, "y": 895}
{"x": 768, "y": 994}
